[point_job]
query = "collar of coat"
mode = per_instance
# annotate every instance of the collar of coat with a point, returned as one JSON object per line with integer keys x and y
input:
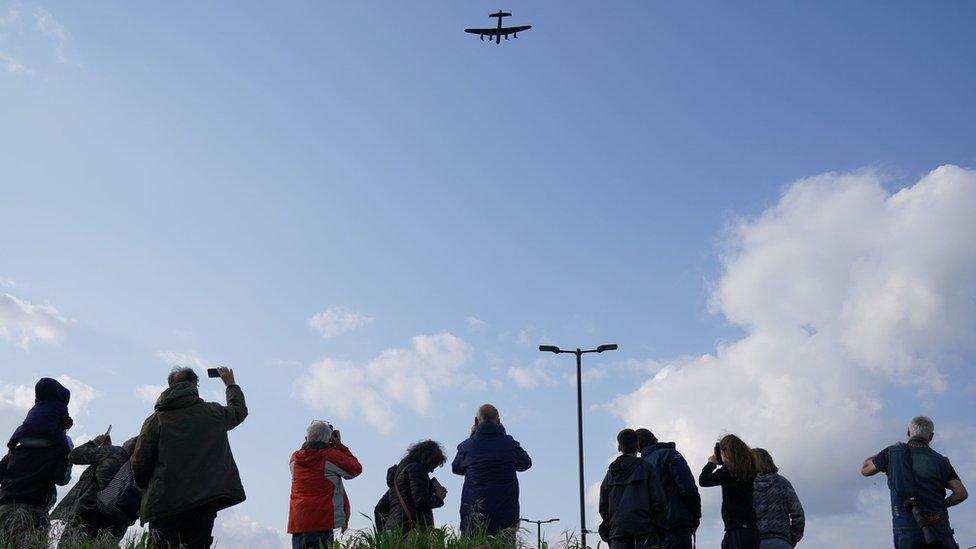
{"x": 180, "y": 395}
{"x": 489, "y": 429}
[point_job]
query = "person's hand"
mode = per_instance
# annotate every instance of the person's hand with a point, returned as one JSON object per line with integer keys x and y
{"x": 336, "y": 436}
{"x": 227, "y": 376}
{"x": 713, "y": 459}
{"x": 441, "y": 492}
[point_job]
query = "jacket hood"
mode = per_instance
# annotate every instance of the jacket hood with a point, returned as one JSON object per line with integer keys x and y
{"x": 181, "y": 395}
{"x": 391, "y": 476}
{"x": 647, "y": 450}
{"x": 766, "y": 482}
{"x": 626, "y": 469}
{"x": 48, "y": 389}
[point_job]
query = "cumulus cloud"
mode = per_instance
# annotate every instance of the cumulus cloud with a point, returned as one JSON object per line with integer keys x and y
{"x": 23, "y": 323}
{"x": 405, "y": 377}
{"x": 337, "y": 320}
{"x": 843, "y": 290}
{"x": 233, "y": 529}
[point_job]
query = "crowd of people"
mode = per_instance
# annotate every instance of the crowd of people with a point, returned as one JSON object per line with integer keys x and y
{"x": 179, "y": 472}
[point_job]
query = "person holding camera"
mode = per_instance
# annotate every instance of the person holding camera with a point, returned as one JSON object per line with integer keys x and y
{"x": 918, "y": 478}
{"x": 779, "y": 514}
{"x": 319, "y": 503}
{"x": 735, "y": 476}
{"x": 184, "y": 463}
{"x": 489, "y": 460}
{"x": 414, "y": 494}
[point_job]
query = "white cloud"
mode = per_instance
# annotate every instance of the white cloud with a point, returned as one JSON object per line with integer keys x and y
{"x": 533, "y": 376}
{"x": 173, "y": 358}
{"x": 149, "y": 393}
{"x": 7, "y": 283}
{"x": 337, "y": 320}
{"x": 475, "y": 323}
{"x": 233, "y": 529}
{"x": 24, "y": 323}
{"x": 843, "y": 290}
{"x": 47, "y": 25}
{"x": 397, "y": 376}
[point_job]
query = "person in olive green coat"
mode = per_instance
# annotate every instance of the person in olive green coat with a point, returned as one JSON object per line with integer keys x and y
{"x": 184, "y": 463}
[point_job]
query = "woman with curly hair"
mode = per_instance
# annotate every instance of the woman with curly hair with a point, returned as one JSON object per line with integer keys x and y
{"x": 414, "y": 495}
{"x": 735, "y": 476}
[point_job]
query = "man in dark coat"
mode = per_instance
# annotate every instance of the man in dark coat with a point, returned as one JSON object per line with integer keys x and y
{"x": 684, "y": 502}
{"x": 79, "y": 507}
{"x": 184, "y": 463}
{"x": 489, "y": 461}
{"x": 632, "y": 502}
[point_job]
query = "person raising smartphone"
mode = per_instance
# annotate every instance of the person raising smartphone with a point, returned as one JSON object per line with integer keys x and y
{"x": 735, "y": 476}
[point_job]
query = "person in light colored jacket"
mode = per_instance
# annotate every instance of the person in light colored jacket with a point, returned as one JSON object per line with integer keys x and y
{"x": 779, "y": 514}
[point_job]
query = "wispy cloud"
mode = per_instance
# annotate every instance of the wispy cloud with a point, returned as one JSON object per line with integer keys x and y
{"x": 174, "y": 358}
{"x": 475, "y": 323}
{"x": 337, "y": 320}
{"x": 25, "y": 323}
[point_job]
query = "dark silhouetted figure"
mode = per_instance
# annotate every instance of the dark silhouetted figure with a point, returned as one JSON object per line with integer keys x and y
{"x": 415, "y": 495}
{"x": 498, "y": 32}
{"x": 632, "y": 502}
{"x": 735, "y": 476}
{"x": 684, "y": 502}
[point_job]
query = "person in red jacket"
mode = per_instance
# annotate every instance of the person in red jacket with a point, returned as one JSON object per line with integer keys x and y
{"x": 319, "y": 503}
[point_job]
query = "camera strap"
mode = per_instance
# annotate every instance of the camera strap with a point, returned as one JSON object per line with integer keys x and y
{"x": 403, "y": 504}
{"x": 911, "y": 470}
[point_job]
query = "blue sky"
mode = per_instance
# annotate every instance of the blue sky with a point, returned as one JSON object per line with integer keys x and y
{"x": 203, "y": 180}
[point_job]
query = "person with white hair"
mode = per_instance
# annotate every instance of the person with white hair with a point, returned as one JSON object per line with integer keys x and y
{"x": 319, "y": 503}
{"x": 918, "y": 478}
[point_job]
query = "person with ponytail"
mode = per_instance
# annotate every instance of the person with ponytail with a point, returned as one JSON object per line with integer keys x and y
{"x": 735, "y": 476}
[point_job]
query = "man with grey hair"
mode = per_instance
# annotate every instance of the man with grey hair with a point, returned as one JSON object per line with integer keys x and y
{"x": 318, "y": 502}
{"x": 918, "y": 478}
{"x": 184, "y": 463}
{"x": 489, "y": 461}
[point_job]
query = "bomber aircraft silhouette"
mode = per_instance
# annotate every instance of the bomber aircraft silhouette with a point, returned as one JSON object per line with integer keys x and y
{"x": 499, "y": 31}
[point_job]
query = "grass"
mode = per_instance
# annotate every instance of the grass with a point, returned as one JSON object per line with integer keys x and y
{"x": 359, "y": 539}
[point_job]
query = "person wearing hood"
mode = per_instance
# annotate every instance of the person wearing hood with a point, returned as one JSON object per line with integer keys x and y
{"x": 319, "y": 503}
{"x": 489, "y": 461}
{"x": 684, "y": 502}
{"x": 184, "y": 463}
{"x": 633, "y": 504}
{"x": 381, "y": 512}
{"x": 779, "y": 514}
{"x": 36, "y": 462}
{"x": 79, "y": 507}
{"x": 414, "y": 494}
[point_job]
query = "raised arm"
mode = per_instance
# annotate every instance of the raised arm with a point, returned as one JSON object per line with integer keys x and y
{"x": 868, "y": 468}
{"x": 522, "y": 459}
{"x": 710, "y": 477}
{"x": 91, "y": 452}
{"x": 343, "y": 464}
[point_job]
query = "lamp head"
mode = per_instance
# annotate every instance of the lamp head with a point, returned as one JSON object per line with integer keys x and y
{"x": 549, "y": 348}
{"x": 610, "y": 347}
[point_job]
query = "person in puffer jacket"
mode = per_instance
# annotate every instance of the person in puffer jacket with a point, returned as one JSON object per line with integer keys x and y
{"x": 779, "y": 514}
{"x": 415, "y": 495}
{"x": 319, "y": 503}
{"x": 381, "y": 511}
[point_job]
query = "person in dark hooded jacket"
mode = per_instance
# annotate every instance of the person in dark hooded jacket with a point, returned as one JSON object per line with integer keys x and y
{"x": 381, "y": 512}
{"x": 48, "y": 419}
{"x": 632, "y": 502}
{"x": 36, "y": 462}
{"x": 413, "y": 495}
{"x": 184, "y": 463}
{"x": 489, "y": 461}
{"x": 684, "y": 502}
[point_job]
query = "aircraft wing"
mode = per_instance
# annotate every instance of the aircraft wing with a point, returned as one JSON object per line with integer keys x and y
{"x": 497, "y": 31}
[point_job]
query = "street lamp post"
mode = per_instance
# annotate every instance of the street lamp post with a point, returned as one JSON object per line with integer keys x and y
{"x": 538, "y": 528}
{"x": 579, "y": 419}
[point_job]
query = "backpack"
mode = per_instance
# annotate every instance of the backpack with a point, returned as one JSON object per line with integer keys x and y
{"x": 121, "y": 499}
